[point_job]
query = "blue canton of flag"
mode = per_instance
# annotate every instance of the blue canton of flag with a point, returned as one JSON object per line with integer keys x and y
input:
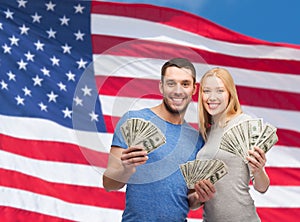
{"x": 46, "y": 52}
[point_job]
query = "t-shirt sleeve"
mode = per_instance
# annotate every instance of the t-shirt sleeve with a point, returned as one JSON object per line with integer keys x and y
{"x": 118, "y": 139}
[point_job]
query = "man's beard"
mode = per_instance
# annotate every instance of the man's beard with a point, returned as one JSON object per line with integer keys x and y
{"x": 173, "y": 111}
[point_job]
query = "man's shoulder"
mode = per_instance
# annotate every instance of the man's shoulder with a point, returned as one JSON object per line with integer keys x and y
{"x": 192, "y": 132}
{"x": 140, "y": 113}
{"x": 190, "y": 128}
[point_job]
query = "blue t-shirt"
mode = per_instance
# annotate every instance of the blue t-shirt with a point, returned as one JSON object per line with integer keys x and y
{"x": 157, "y": 191}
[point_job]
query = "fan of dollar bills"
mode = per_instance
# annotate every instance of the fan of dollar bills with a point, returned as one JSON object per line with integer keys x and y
{"x": 245, "y": 135}
{"x": 196, "y": 170}
{"x": 138, "y": 131}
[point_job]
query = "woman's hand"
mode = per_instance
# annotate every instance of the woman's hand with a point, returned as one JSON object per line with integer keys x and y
{"x": 256, "y": 160}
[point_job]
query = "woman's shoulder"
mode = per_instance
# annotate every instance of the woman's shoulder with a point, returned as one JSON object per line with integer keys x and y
{"x": 243, "y": 117}
{"x": 238, "y": 118}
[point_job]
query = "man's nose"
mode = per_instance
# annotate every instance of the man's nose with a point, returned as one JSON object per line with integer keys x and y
{"x": 178, "y": 88}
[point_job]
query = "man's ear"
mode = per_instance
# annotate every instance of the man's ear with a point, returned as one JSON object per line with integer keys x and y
{"x": 161, "y": 87}
{"x": 195, "y": 89}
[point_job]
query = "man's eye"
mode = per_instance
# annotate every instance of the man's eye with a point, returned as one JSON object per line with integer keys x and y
{"x": 206, "y": 91}
{"x": 170, "y": 84}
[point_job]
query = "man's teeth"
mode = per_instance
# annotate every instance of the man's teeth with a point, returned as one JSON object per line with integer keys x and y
{"x": 177, "y": 100}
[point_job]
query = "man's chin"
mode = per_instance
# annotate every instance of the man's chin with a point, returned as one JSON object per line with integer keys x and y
{"x": 178, "y": 110}
{"x": 175, "y": 109}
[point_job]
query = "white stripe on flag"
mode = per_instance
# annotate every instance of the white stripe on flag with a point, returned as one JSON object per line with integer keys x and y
{"x": 149, "y": 68}
{"x": 117, "y": 106}
{"x": 123, "y": 26}
{"x": 55, "y": 207}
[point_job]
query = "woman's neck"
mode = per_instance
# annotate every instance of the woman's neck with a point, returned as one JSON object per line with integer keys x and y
{"x": 223, "y": 120}
{"x": 218, "y": 119}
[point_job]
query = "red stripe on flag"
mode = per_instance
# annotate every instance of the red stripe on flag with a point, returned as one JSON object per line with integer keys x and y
{"x": 71, "y": 193}
{"x": 266, "y": 214}
{"x": 53, "y": 151}
{"x": 147, "y": 88}
{"x": 268, "y": 98}
{"x": 10, "y": 214}
{"x": 128, "y": 87}
{"x": 279, "y": 214}
{"x": 283, "y": 176}
{"x": 120, "y": 46}
{"x": 110, "y": 122}
{"x": 286, "y": 137}
{"x": 195, "y": 213}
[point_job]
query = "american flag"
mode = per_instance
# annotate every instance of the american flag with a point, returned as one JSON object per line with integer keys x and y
{"x": 70, "y": 69}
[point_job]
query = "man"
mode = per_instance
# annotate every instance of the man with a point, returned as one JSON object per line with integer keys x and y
{"x": 155, "y": 188}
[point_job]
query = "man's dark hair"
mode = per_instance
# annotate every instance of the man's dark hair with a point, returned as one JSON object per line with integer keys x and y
{"x": 180, "y": 63}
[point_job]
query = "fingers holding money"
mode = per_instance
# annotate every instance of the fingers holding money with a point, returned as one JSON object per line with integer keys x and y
{"x": 134, "y": 156}
{"x": 246, "y": 135}
{"x": 257, "y": 159}
{"x": 138, "y": 131}
{"x": 205, "y": 190}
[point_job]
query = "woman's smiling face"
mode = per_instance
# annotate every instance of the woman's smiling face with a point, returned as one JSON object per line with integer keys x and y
{"x": 215, "y": 96}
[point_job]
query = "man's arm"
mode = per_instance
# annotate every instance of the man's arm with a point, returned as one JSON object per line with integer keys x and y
{"x": 121, "y": 165}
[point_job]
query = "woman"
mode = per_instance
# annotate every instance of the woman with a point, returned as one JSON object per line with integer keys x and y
{"x": 219, "y": 109}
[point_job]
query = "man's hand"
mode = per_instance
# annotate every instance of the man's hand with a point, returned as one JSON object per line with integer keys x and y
{"x": 133, "y": 157}
{"x": 204, "y": 191}
{"x": 121, "y": 165}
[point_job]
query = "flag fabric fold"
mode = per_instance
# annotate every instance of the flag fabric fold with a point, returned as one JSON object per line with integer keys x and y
{"x": 71, "y": 69}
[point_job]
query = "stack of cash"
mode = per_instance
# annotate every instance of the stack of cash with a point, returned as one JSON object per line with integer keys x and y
{"x": 138, "y": 131}
{"x": 193, "y": 171}
{"x": 245, "y": 135}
